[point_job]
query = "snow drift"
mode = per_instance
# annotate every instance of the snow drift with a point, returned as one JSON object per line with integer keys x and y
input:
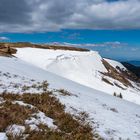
{"x": 85, "y": 68}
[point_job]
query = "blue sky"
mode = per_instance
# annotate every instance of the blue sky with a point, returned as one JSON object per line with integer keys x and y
{"x": 116, "y": 44}
{"x": 111, "y": 27}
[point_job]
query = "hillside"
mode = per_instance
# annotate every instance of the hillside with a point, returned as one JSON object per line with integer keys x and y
{"x": 86, "y": 68}
{"x": 107, "y": 115}
{"x": 133, "y": 68}
{"x": 65, "y": 94}
{"x": 134, "y": 62}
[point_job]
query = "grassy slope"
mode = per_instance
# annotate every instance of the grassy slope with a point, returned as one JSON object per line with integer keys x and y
{"x": 55, "y": 47}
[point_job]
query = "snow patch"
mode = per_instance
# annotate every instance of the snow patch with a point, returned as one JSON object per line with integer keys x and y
{"x": 1, "y": 100}
{"x": 115, "y": 64}
{"x": 15, "y": 130}
{"x": 23, "y": 104}
{"x": 3, "y": 136}
{"x": 40, "y": 118}
{"x": 37, "y": 118}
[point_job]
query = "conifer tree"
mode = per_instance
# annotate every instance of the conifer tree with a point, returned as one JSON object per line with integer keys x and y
{"x": 121, "y": 96}
{"x": 114, "y": 94}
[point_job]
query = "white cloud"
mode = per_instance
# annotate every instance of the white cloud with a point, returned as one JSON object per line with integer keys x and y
{"x": 104, "y": 44}
{"x": 53, "y": 15}
{"x": 3, "y": 38}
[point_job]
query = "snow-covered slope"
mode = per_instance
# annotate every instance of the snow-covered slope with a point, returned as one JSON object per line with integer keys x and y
{"x": 113, "y": 117}
{"x": 115, "y": 64}
{"x": 82, "y": 67}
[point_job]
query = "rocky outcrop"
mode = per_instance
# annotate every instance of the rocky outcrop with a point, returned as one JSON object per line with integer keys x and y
{"x": 6, "y": 50}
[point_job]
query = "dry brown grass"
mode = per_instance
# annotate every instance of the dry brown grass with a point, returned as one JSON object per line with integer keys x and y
{"x": 112, "y": 72}
{"x": 119, "y": 86}
{"x": 13, "y": 114}
{"x": 64, "y": 92}
{"x": 106, "y": 81}
{"x": 39, "y": 86}
{"x": 54, "y": 47}
{"x": 70, "y": 128}
{"x": 65, "y": 48}
{"x": 6, "y": 50}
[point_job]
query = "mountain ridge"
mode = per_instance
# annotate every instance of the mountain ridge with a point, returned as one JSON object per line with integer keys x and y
{"x": 86, "y": 68}
{"x": 83, "y": 82}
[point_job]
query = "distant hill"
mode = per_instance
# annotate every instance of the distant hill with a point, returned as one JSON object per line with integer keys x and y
{"x": 132, "y": 68}
{"x": 136, "y": 63}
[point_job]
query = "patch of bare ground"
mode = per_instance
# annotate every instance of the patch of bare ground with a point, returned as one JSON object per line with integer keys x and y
{"x": 64, "y": 92}
{"x": 119, "y": 86}
{"x": 42, "y": 46}
{"x": 69, "y": 127}
{"x": 130, "y": 75}
{"x": 6, "y": 50}
{"x": 113, "y": 73}
{"x": 116, "y": 84}
{"x": 107, "y": 81}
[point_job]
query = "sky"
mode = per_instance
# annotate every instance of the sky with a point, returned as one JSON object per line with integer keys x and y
{"x": 111, "y": 27}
